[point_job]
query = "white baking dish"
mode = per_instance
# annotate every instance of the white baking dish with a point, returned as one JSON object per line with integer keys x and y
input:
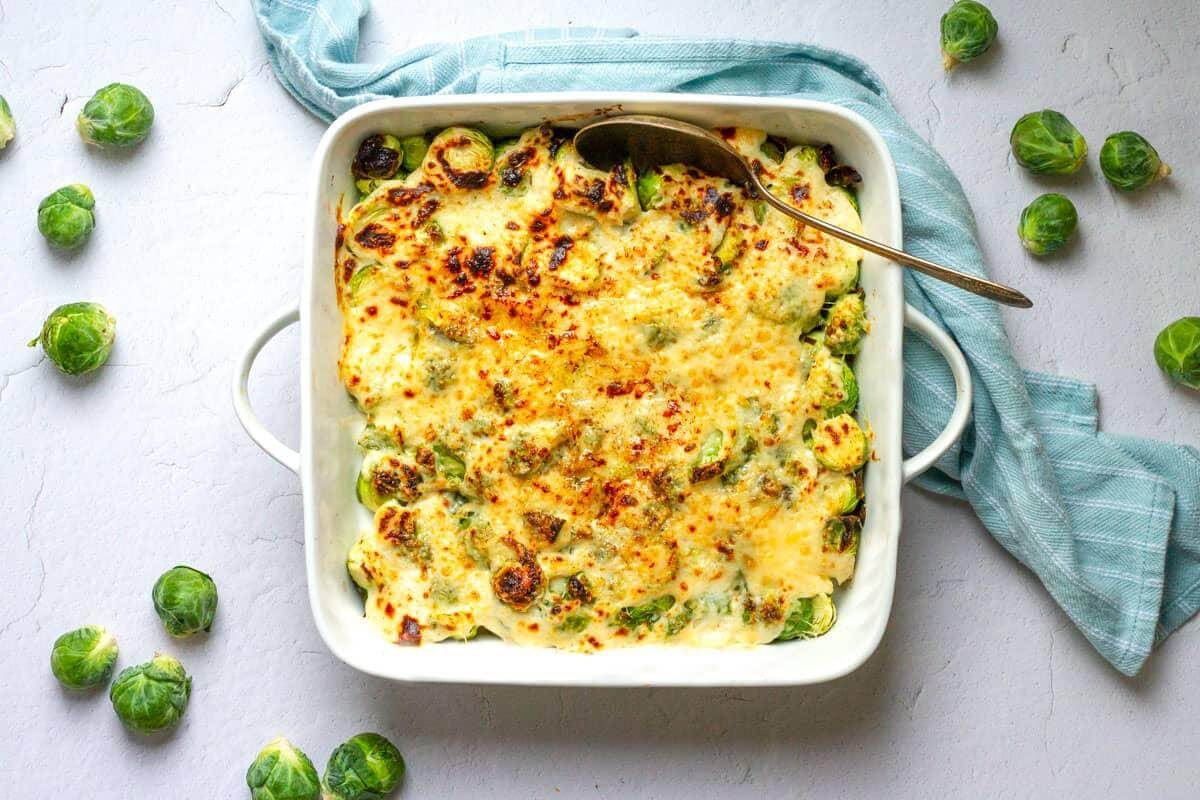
{"x": 328, "y": 460}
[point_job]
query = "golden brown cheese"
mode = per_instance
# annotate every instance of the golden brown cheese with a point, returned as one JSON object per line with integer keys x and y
{"x": 591, "y": 424}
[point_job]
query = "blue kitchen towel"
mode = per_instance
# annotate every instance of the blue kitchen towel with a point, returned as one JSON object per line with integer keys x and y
{"x": 1111, "y": 525}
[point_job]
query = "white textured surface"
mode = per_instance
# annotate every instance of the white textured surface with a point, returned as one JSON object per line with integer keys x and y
{"x": 981, "y": 686}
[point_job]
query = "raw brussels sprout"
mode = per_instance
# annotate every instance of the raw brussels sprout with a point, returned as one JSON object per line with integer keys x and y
{"x": 367, "y": 767}
{"x": 118, "y": 115}
{"x": 151, "y": 697}
{"x": 77, "y": 337}
{"x": 1177, "y": 351}
{"x": 7, "y": 127}
{"x": 413, "y": 149}
{"x": 1047, "y": 224}
{"x": 1130, "y": 162}
{"x": 839, "y": 443}
{"x": 379, "y": 157}
{"x": 1045, "y": 142}
{"x": 84, "y": 658}
{"x": 282, "y": 772}
{"x": 459, "y": 158}
{"x": 66, "y": 217}
{"x": 968, "y": 30}
{"x": 846, "y": 324}
{"x": 186, "y": 600}
{"x": 808, "y": 618}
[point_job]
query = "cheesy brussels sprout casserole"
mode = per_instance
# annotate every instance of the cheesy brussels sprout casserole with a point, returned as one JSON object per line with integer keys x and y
{"x": 603, "y": 408}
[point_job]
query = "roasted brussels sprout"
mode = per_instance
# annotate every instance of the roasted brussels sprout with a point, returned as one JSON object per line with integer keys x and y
{"x": 1045, "y": 142}
{"x": 186, "y": 600}
{"x": 379, "y": 157}
{"x": 845, "y": 324}
{"x": 968, "y": 30}
{"x": 77, "y": 337}
{"x": 649, "y": 189}
{"x": 367, "y": 767}
{"x": 1047, "y": 224}
{"x": 1177, "y": 351}
{"x": 1130, "y": 162}
{"x": 839, "y": 443}
{"x": 151, "y": 697}
{"x": 84, "y": 658}
{"x": 118, "y": 115}
{"x": 7, "y": 127}
{"x": 282, "y": 772}
{"x": 66, "y": 217}
{"x": 808, "y": 618}
{"x": 413, "y": 149}
{"x": 459, "y": 158}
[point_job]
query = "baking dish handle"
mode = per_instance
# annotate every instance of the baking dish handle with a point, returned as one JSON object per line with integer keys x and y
{"x": 241, "y": 396}
{"x": 941, "y": 342}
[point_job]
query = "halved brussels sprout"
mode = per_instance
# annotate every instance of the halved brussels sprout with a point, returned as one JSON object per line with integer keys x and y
{"x": 1047, "y": 224}
{"x": 841, "y": 396}
{"x": 1130, "y": 162}
{"x": 1177, "y": 351}
{"x": 968, "y": 30}
{"x": 67, "y": 217}
{"x": 185, "y": 600}
{"x": 840, "y": 444}
{"x": 459, "y": 158}
{"x": 84, "y": 658}
{"x": 379, "y": 157}
{"x": 649, "y": 189}
{"x": 841, "y": 535}
{"x": 118, "y": 115}
{"x": 151, "y": 697}
{"x": 846, "y": 324}
{"x": 7, "y": 127}
{"x": 77, "y": 337}
{"x": 646, "y": 613}
{"x": 795, "y": 303}
{"x": 366, "y": 767}
{"x": 710, "y": 458}
{"x": 732, "y": 245}
{"x": 281, "y": 771}
{"x": 414, "y": 149}
{"x": 846, "y": 491}
{"x": 808, "y": 618}
{"x": 1045, "y": 142}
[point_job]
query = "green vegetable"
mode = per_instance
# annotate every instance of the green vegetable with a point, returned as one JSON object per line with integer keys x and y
{"x": 848, "y": 394}
{"x": 282, "y": 772}
{"x": 84, "y": 658}
{"x": 845, "y": 324}
{"x": 808, "y": 618}
{"x": 646, "y": 614}
{"x": 968, "y": 30}
{"x": 414, "y": 149}
{"x": 118, "y": 115}
{"x": 709, "y": 461}
{"x": 842, "y": 533}
{"x": 1177, "y": 351}
{"x": 649, "y": 189}
{"x": 1047, "y": 224}
{"x": 7, "y": 127}
{"x": 378, "y": 158}
{"x": 77, "y": 337}
{"x": 459, "y": 158}
{"x": 367, "y": 767}
{"x": 151, "y": 697}
{"x": 67, "y": 217}
{"x": 186, "y": 600}
{"x": 1130, "y": 162}
{"x": 840, "y": 444}
{"x": 1045, "y": 142}
{"x": 448, "y": 463}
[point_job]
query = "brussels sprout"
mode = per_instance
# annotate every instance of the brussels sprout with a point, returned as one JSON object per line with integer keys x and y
{"x": 414, "y": 149}
{"x": 66, "y": 217}
{"x": 186, "y": 600}
{"x": 151, "y": 697}
{"x": 282, "y": 772}
{"x": 839, "y": 443}
{"x": 1177, "y": 351}
{"x": 709, "y": 459}
{"x": 77, "y": 337}
{"x": 1130, "y": 162}
{"x": 649, "y": 189}
{"x": 367, "y": 767}
{"x": 118, "y": 115}
{"x": 84, "y": 658}
{"x": 968, "y": 30}
{"x": 846, "y": 324}
{"x": 1047, "y": 224}
{"x": 379, "y": 157}
{"x": 796, "y": 303}
{"x": 459, "y": 158}
{"x": 1045, "y": 142}
{"x": 7, "y": 127}
{"x": 646, "y": 614}
{"x": 366, "y": 185}
{"x": 845, "y": 400}
{"x": 808, "y": 618}
{"x": 842, "y": 534}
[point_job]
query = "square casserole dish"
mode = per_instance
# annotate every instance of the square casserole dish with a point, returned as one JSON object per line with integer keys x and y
{"x": 328, "y": 460}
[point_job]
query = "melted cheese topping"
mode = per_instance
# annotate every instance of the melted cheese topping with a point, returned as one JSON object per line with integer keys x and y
{"x": 591, "y": 424}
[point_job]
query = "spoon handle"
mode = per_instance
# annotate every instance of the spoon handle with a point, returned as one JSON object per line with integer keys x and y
{"x": 980, "y": 286}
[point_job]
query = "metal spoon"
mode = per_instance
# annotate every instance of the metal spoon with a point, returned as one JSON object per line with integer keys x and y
{"x": 651, "y": 141}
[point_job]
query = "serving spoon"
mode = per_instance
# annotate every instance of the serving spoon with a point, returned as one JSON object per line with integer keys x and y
{"x": 653, "y": 141}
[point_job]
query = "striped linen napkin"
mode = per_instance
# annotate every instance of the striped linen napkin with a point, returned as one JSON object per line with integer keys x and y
{"x": 1111, "y": 525}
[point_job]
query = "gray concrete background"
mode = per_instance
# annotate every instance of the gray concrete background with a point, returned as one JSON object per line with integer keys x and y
{"x": 981, "y": 686}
